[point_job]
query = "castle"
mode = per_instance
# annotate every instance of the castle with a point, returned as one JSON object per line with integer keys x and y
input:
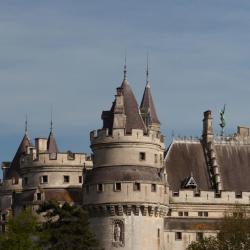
{"x": 140, "y": 196}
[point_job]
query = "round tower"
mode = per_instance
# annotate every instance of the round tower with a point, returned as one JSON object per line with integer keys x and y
{"x": 126, "y": 191}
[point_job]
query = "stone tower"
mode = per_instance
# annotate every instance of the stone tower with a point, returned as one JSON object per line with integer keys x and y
{"x": 126, "y": 192}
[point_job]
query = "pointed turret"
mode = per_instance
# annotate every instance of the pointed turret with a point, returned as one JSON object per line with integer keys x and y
{"x": 124, "y": 112}
{"x": 13, "y": 171}
{"x": 147, "y": 107}
{"x": 51, "y": 143}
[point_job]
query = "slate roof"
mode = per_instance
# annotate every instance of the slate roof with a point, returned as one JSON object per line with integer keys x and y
{"x": 51, "y": 144}
{"x": 123, "y": 173}
{"x": 133, "y": 117}
{"x": 184, "y": 158}
{"x": 234, "y": 165}
{"x": 147, "y": 105}
{"x": 197, "y": 224}
{"x": 13, "y": 171}
{"x": 64, "y": 195}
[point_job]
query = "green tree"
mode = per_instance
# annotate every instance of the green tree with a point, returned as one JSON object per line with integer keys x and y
{"x": 234, "y": 233}
{"x": 22, "y": 233}
{"x": 67, "y": 227}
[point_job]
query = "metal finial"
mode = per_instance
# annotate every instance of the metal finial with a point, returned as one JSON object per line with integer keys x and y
{"x": 26, "y": 124}
{"x": 222, "y": 120}
{"x": 51, "y": 119}
{"x": 147, "y": 70}
{"x": 125, "y": 67}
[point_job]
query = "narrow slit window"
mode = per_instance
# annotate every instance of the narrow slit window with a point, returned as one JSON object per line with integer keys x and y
{"x": 100, "y": 187}
{"x": 153, "y": 187}
{"x": 118, "y": 186}
{"x": 137, "y": 186}
{"x": 66, "y": 179}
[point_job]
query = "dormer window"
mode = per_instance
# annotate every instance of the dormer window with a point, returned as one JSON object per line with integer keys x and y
{"x": 189, "y": 182}
{"x": 142, "y": 156}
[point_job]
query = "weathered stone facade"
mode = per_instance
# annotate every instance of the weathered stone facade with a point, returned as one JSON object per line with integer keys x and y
{"x": 139, "y": 195}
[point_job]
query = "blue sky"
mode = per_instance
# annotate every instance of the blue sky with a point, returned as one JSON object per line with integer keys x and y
{"x": 70, "y": 54}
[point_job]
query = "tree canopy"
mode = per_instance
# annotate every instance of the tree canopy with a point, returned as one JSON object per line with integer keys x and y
{"x": 234, "y": 233}
{"x": 67, "y": 227}
{"x": 22, "y": 233}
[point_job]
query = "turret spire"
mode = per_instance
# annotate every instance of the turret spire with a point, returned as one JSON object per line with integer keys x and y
{"x": 26, "y": 124}
{"x": 147, "y": 72}
{"x": 125, "y": 67}
{"x": 51, "y": 119}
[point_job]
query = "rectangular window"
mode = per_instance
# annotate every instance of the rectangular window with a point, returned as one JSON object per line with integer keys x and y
{"x": 156, "y": 158}
{"x": 185, "y": 213}
{"x": 142, "y": 156}
{"x": 39, "y": 196}
{"x": 66, "y": 178}
{"x": 158, "y": 233}
{"x": 178, "y": 236}
{"x": 14, "y": 181}
{"x": 180, "y": 213}
{"x": 118, "y": 186}
{"x": 3, "y": 217}
{"x": 80, "y": 179}
{"x": 205, "y": 214}
{"x": 44, "y": 179}
{"x": 137, "y": 186}
{"x": 200, "y": 213}
{"x": 199, "y": 236}
{"x": 153, "y": 187}
{"x": 25, "y": 179}
{"x": 53, "y": 156}
{"x": 161, "y": 159}
{"x": 100, "y": 187}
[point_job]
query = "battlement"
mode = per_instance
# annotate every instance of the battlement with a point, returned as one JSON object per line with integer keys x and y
{"x": 209, "y": 197}
{"x": 137, "y": 135}
{"x": 68, "y": 158}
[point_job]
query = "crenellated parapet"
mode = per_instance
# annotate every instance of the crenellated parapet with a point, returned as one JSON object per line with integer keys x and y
{"x": 121, "y": 148}
{"x": 209, "y": 197}
{"x": 34, "y": 159}
{"x": 120, "y": 135}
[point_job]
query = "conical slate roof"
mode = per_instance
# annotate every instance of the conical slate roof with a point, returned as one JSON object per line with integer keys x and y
{"x": 147, "y": 106}
{"x": 13, "y": 171}
{"x": 133, "y": 117}
{"x": 51, "y": 144}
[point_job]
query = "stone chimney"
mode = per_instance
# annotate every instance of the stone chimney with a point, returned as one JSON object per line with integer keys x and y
{"x": 207, "y": 134}
{"x": 41, "y": 144}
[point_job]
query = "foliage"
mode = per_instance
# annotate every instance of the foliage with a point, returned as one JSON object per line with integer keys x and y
{"x": 234, "y": 233}
{"x": 67, "y": 227}
{"x": 22, "y": 232}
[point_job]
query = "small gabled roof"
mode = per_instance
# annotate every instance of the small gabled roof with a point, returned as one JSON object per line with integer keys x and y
{"x": 147, "y": 105}
{"x": 51, "y": 143}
